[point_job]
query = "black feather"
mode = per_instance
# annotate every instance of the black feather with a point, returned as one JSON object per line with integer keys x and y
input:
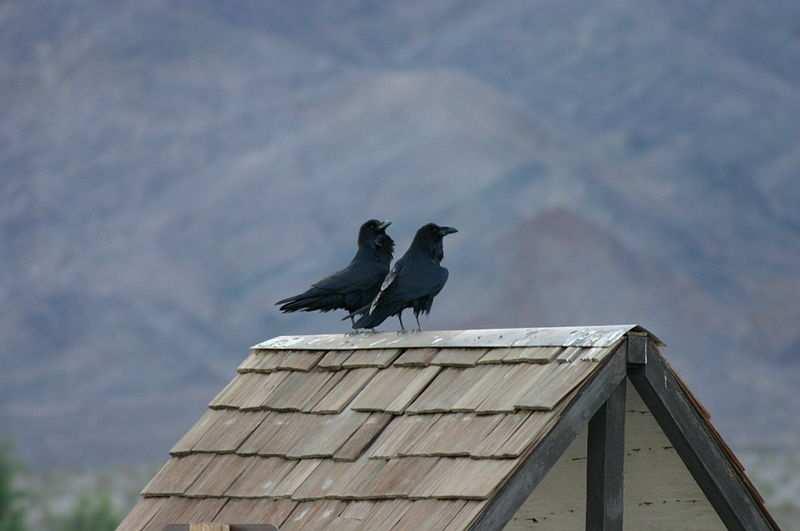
{"x": 356, "y": 285}
{"x": 414, "y": 281}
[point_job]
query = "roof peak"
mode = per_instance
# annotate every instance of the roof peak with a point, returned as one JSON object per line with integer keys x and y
{"x": 562, "y": 336}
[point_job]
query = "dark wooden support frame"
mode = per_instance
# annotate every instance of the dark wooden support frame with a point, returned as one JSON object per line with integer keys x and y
{"x": 584, "y": 406}
{"x": 604, "y": 465}
{"x": 697, "y": 446}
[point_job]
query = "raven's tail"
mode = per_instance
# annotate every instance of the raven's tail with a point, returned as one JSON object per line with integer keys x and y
{"x": 312, "y": 300}
{"x": 356, "y": 313}
{"x": 371, "y": 320}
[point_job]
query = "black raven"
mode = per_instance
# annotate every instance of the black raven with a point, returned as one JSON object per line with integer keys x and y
{"x": 356, "y": 285}
{"x": 414, "y": 281}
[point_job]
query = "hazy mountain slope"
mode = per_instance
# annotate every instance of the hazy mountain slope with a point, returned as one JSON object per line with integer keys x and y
{"x": 171, "y": 170}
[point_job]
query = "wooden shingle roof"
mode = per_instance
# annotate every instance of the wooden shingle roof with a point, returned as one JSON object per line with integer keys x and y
{"x": 373, "y": 431}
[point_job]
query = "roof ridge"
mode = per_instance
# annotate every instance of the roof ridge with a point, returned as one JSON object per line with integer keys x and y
{"x": 564, "y": 336}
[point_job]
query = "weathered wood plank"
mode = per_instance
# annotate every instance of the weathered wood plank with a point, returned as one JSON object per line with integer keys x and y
{"x": 535, "y": 426}
{"x": 261, "y": 392}
{"x": 556, "y": 385}
{"x": 474, "y": 392}
{"x": 322, "y": 480}
{"x": 400, "y": 434}
{"x": 453, "y": 435}
{"x": 229, "y": 431}
{"x": 361, "y": 484}
{"x": 440, "y": 393}
{"x": 255, "y": 511}
{"x": 141, "y": 514}
{"x": 464, "y": 478}
{"x": 264, "y": 361}
{"x": 340, "y": 396}
{"x": 394, "y": 388}
{"x": 361, "y": 439}
{"x": 386, "y": 515}
{"x": 588, "y": 399}
{"x": 218, "y": 476}
{"x": 380, "y": 358}
{"x": 300, "y": 360}
{"x": 595, "y": 353}
{"x": 297, "y": 390}
{"x": 589, "y": 336}
{"x": 190, "y": 438}
{"x": 456, "y": 389}
{"x": 314, "y": 515}
{"x": 328, "y": 434}
{"x": 177, "y": 475}
{"x": 465, "y": 516}
{"x": 604, "y": 467}
{"x": 333, "y": 359}
{"x": 296, "y": 476}
{"x": 400, "y": 476}
{"x": 237, "y": 391}
{"x": 416, "y": 357}
{"x": 330, "y": 384}
{"x": 260, "y": 478}
{"x": 384, "y": 388}
{"x": 494, "y": 441}
{"x": 172, "y": 511}
{"x": 458, "y": 357}
{"x": 413, "y": 389}
{"x": 288, "y": 431}
{"x": 516, "y": 382}
{"x": 269, "y": 361}
{"x": 570, "y": 354}
{"x": 533, "y": 355}
{"x": 430, "y": 515}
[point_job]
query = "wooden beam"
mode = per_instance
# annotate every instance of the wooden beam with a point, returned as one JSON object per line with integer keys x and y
{"x": 533, "y": 469}
{"x": 580, "y": 336}
{"x": 636, "y": 348}
{"x": 604, "y": 465}
{"x": 209, "y": 527}
{"x": 699, "y": 449}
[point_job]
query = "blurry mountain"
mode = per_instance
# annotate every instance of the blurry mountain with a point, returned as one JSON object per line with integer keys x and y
{"x": 170, "y": 169}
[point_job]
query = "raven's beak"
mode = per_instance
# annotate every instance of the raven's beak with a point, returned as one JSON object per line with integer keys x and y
{"x": 384, "y": 225}
{"x": 447, "y": 230}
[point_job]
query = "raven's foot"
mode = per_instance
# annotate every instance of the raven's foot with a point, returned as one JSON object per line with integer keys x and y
{"x": 360, "y": 331}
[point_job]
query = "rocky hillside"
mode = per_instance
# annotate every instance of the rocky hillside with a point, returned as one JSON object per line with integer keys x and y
{"x": 170, "y": 169}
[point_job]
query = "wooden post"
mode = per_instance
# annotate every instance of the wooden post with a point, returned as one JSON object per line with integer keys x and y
{"x": 209, "y": 527}
{"x": 606, "y": 455}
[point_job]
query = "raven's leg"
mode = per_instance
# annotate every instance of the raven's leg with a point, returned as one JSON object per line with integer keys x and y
{"x": 419, "y": 326}
{"x": 352, "y": 320}
{"x": 400, "y": 316}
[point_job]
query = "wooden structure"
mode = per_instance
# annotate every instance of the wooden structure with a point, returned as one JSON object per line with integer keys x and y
{"x": 537, "y": 428}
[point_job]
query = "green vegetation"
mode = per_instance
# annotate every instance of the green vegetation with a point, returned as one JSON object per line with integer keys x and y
{"x": 92, "y": 512}
{"x": 12, "y": 516}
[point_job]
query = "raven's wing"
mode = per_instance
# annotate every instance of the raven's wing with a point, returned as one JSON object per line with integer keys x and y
{"x": 334, "y": 291}
{"x": 409, "y": 284}
{"x": 355, "y": 277}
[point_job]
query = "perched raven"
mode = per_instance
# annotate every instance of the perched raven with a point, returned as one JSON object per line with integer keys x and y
{"x": 414, "y": 281}
{"x": 356, "y": 285}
